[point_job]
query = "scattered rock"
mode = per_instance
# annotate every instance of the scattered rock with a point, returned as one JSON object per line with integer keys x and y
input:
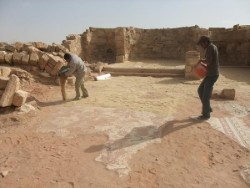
{"x": 245, "y": 174}
{"x": 4, "y": 173}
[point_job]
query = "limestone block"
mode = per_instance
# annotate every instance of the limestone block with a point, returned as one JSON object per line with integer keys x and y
{"x": 3, "y": 82}
{"x": 51, "y": 48}
{"x": 2, "y": 54}
{"x": 41, "y": 46}
{"x": 10, "y": 48}
{"x": 12, "y": 86}
{"x": 17, "y": 58}
{"x": 18, "y": 46}
{"x": 228, "y": 94}
{"x": 48, "y": 69}
{"x": 33, "y": 59}
{"x": 19, "y": 98}
{"x": 58, "y": 66}
{"x": 8, "y": 58}
{"x": 25, "y": 59}
{"x": 43, "y": 61}
{"x": 53, "y": 60}
{"x": 5, "y": 71}
{"x": 32, "y": 49}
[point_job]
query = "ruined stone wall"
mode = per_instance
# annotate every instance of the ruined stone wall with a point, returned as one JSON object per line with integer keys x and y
{"x": 162, "y": 43}
{"x": 99, "y": 45}
{"x": 121, "y": 44}
{"x": 233, "y": 45}
{"x": 73, "y": 44}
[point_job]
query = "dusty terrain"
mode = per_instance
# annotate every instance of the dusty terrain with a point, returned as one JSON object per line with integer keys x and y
{"x": 130, "y": 132}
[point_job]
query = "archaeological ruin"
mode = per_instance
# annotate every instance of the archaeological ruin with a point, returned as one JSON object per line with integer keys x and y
{"x": 116, "y": 45}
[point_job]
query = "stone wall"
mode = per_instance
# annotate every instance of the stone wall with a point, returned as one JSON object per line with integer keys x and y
{"x": 48, "y": 58}
{"x": 121, "y": 44}
{"x": 233, "y": 45}
{"x": 162, "y": 43}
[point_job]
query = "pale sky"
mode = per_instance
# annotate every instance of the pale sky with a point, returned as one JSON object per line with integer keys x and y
{"x": 52, "y": 20}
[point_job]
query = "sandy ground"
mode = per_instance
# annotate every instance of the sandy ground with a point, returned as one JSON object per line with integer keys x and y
{"x": 130, "y": 132}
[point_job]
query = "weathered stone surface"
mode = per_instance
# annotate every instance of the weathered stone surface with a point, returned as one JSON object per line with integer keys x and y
{"x": 32, "y": 49}
{"x": 1, "y": 92}
{"x": 245, "y": 174}
{"x": 19, "y": 98}
{"x": 41, "y": 46}
{"x": 17, "y": 58}
{"x": 12, "y": 86}
{"x": 10, "y": 48}
{"x": 25, "y": 59}
{"x": 57, "y": 67}
{"x": 2, "y": 54}
{"x": 8, "y": 58}
{"x": 228, "y": 94}
{"x": 42, "y": 62}
{"x": 18, "y": 46}
{"x": 33, "y": 59}
{"x": 3, "y": 82}
{"x": 120, "y": 59}
{"x": 4, "y": 71}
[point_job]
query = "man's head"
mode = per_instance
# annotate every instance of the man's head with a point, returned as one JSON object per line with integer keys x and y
{"x": 204, "y": 41}
{"x": 67, "y": 57}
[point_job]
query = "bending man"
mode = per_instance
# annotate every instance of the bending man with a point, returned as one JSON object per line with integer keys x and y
{"x": 77, "y": 68}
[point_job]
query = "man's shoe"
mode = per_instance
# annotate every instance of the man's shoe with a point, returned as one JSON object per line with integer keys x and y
{"x": 202, "y": 118}
{"x": 85, "y": 96}
{"x": 76, "y": 98}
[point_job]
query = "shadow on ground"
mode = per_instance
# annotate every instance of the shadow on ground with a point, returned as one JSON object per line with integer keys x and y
{"x": 143, "y": 134}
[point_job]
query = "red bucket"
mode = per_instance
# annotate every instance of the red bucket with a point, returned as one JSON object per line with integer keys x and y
{"x": 200, "y": 70}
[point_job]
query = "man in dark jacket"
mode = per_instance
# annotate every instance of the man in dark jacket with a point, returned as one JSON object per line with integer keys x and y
{"x": 206, "y": 87}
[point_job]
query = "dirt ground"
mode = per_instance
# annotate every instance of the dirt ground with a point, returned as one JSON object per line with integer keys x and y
{"x": 130, "y": 132}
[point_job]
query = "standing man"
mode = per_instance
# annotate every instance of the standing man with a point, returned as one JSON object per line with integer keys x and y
{"x": 78, "y": 68}
{"x": 206, "y": 87}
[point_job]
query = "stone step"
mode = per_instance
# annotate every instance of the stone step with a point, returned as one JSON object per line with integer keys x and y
{"x": 145, "y": 74}
{"x": 143, "y": 70}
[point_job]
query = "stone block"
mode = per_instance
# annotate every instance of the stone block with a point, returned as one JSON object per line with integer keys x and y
{"x": 228, "y": 94}
{"x": 3, "y": 82}
{"x": 25, "y": 59}
{"x": 53, "y": 60}
{"x": 41, "y": 46}
{"x": 43, "y": 61}
{"x": 58, "y": 66}
{"x": 2, "y": 54}
{"x": 19, "y": 98}
{"x": 17, "y": 58}
{"x": 9, "y": 92}
{"x": 48, "y": 69}
{"x": 8, "y": 58}
{"x": 5, "y": 71}
{"x": 10, "y": 48}
{"x": 18, "y": 46}
{"x": 33, "y": 59}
